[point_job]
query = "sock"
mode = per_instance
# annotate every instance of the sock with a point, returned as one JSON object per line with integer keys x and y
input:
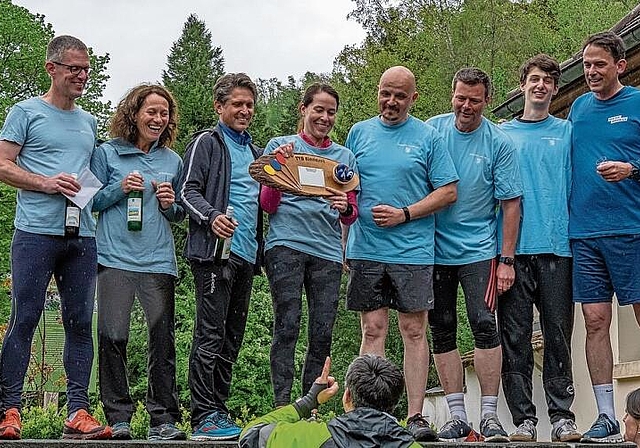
{"x": 604, "y": 399}
{"x": 456, "y": 405}
{"x": 489, "y": 405}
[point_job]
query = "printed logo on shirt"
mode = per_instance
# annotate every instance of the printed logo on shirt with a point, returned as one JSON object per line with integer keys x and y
{"x": 479, "y": 158}
{"x": 407, "y": 148}
{"x": 552, "y": 141}
{"x": 617, "y": 119}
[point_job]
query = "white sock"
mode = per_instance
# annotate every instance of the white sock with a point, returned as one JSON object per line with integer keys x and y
{"x": 604, "y": 399}
{"x": 456, "y": 405}
{"x": 488, "y": 405}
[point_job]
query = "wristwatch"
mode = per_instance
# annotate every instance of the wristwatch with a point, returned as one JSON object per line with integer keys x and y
{"x": 509, "y": 261}
{"x": 635, "y": 173}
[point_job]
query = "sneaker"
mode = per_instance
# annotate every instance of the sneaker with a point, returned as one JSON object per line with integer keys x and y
{"x": 166, "y": 431}
{"x": 121, "y": 431}
{"x": 455, "y": 430}
{"x": 491, "y": 429}
{"x": 84, "y": 426}
{"x": 525, "y": 432}
{"x": 216, "y": 426}
{"x": 603, "y": 430}
{"x": 565, "y": 430}
{"x": 421, "y": 429}
{"x": 10, "y": 426}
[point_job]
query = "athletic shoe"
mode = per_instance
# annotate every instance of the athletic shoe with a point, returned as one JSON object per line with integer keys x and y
{"x": 421, "y": 429}
{"x": 603, "y": 430}
{"x": 491, "y": 429}
{"x": 216, "y": 426}
{"x": 166, "y": 431}
{"x": 84, "y": 426}
{"x": 121, "y": 431}
{"x": 455, "y": 430}
{"x": 525, "y": 432}
{"x": 565, "y": 430}
{"x": 10, "y": 426}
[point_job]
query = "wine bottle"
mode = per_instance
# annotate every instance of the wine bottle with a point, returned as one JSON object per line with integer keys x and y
{"x": 134, "y": 209}
{"x": 223, "y": 245}
{"x": 71, "y": 216}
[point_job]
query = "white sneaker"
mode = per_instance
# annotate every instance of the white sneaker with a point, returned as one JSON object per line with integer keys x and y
{"x": 565, "y": 430}
{"x": 525, "y": 432}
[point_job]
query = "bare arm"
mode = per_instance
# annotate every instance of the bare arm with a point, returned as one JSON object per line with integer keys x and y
{"x": 388, "y": 216}
{"x": 510, "y": 226}
{"x": 12, "y": 174}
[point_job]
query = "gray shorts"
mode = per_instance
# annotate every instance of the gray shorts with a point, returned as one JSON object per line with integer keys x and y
{"x": 407, "y": 288}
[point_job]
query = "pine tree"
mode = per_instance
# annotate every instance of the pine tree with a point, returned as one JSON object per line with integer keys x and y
{"x": 193, "y": 66}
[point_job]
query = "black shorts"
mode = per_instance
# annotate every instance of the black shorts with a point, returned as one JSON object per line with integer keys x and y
{"x": 407, "y": 288}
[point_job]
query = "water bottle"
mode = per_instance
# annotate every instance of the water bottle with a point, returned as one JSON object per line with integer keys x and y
{"x": 223, "y": 245}
{"x": 71, "y": 216}
{"x": 134, "y": 209}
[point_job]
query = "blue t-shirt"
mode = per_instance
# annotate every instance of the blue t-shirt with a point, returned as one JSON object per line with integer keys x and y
{"x": 308, "y": 224}
{"x": 243, "y": 197}
{"x": 604, "y": 130}
{"x": 488, "y": 170}
{"x": 53, "y": 141}
{"x": 543, "y": 149}
{"x": 151, "y": 249}
{"x": 398, "y": 166}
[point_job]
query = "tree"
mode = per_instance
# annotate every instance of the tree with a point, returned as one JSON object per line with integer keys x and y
{"x": 23, "y": 46}
{"x": 193, "y": 66}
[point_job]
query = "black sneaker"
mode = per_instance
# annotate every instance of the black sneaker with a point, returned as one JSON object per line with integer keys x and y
{"x": 166, "y": 431}
{"x": 121, "y": 431}
{"x": 421, "y": 429}
{"x": 455, "y": 430}
{"x": 491, "y": 429}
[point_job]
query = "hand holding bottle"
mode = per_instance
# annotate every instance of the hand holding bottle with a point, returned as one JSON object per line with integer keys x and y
{"x": 132, "y": 182}
{"x": 224, "y": 226}
{"x": 164, "y": 193}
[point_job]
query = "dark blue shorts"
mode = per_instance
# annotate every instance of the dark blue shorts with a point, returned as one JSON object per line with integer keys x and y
{"x": 604, "y": 265}
{"x": 406, "y": 288}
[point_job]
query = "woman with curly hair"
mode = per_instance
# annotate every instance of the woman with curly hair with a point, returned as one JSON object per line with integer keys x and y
{"x": 631, "y": 418}
{"x": 138, "y": 264}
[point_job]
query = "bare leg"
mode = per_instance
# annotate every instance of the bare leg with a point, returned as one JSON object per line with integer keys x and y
{"x": 488, "y": 364}
{"x": 375, "y": 325}
{"x": 597, "y": 318}
{"x": 449, "y": 367}
{"x": 413, "y": 328}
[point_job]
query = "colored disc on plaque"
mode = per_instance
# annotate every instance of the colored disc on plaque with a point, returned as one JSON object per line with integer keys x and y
{"x": 281, "y": 158}
{"x": 276, "y": 166}
{"x": 269, "y": 170}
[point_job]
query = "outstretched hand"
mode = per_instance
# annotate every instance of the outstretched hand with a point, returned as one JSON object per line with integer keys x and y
{"x": 332, "y": 384}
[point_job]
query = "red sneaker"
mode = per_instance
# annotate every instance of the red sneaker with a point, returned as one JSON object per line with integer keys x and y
{"x": 10, "y": 426}
{"x": 84, "y": 426}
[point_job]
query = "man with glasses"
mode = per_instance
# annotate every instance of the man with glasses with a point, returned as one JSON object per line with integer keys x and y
{"x": 44, "y": 140}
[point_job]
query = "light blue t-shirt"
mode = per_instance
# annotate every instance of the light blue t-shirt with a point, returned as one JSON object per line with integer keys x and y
{"x": 308, "y": 224}
{"x": 488, "y": 170}
{"x": 398, "y": 166}
{"x": 543, "y": 149}
{"x": 53, "y": 141}
{"x": 151, "y": 249}
{"x": 243, "y": 197}
{"x": 604, "y": 130}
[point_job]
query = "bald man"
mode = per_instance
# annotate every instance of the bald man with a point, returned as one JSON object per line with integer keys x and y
{"x": 405, "y": 176}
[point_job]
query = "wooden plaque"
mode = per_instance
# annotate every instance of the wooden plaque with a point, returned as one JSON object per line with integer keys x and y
{"x": 301, "y": 174}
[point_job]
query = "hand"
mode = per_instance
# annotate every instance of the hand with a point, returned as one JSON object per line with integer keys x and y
{"x": 387, "y": 216}
{"x": 62, "y": 183}
{"x": 332, "y": 384}
{"x": 132, "y": 182}
{"x": 613, "y": 171}
{"x": 506, "y": 275}
{"x": 223, "y": 227}
{"x": 286, "y": 149}
{"x": 164, "y": 193}
{"x": 338, "y": 200}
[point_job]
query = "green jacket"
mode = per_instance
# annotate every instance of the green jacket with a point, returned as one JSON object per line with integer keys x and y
{"x": 363, "y": 428}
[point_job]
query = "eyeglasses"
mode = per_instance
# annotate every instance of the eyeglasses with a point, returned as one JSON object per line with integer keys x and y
{"x": 74, "y": 69}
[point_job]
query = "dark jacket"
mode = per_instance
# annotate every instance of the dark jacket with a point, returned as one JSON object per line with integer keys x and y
{"x": 204, "y": 192}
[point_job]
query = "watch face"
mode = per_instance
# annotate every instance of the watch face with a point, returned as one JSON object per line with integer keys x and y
{"x": 635, "y": 174}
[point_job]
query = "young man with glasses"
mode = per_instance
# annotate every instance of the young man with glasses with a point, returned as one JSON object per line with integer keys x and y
{"x": 44, "y": 140}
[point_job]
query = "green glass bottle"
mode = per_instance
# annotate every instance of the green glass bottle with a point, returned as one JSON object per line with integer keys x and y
{"x": 134, "y": 209}
{"x": 223, "y": 245}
